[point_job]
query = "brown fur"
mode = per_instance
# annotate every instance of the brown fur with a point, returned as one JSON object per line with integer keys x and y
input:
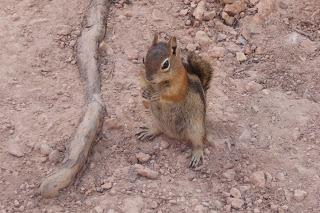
{"x": 176, "y": 96}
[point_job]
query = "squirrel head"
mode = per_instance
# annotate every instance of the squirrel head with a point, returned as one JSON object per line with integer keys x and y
{"x": 162, "y": 60}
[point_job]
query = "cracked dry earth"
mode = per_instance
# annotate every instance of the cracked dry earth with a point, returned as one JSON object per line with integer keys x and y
{"x": 263, "y": 116}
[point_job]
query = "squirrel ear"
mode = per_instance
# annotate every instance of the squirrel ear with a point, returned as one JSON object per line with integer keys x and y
{"x": 173, "y": 44}
{"x": 155, "y": 39}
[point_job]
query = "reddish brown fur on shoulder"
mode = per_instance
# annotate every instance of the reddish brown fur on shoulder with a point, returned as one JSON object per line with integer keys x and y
{"x": 178, "y": 86}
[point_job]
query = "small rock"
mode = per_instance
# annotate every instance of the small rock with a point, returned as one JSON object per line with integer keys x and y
{"x": 188, "y": 22}
{"x": 253, "y": 86}
{"x": 199, "y": 11}
{"x": 45, "y": 149}
{"x": 235, "y": 8}
{"x": 274, "y": 207}
{"x": 245, "y": 136}
{"x": 15, "y": 149}
{"x": 234, "y": 192}
{"x": 241, "y": 57}
{"x": 228, "y": 20}
{"x": 54, "y": 156}
{"x": 299, "y": 195}
{"x": 283, "y": 5}
{"x": 256, "y": 210}
{"x": 112, "y": 123}
{"x": 98, "y": 209}
{"x": 16, "y": 203}
{"x": 221, "y": 37}
{"x": 154, "y": 205}
{"x": 146, "y": 172}
{"x": 265, "y": 8}
{"x": 157, "y": 15}
{"x": 106, "y": 186}
{"x": 229, "y": 174}
{"x": 258, "y": 179}
{"x": 209, "y": 15}
{"x": 142, "y": 157}
{"x": 216, "y": 52}
{"x": 229, "y": 1}
{"x": 183, "y": 12}
{"x": 236, "y": 203}
{"x": 63, "y": 29}
{"x": 199, "y": 208}
{"x": 202, "y": 38}
{"x": 254, "y": 2}
{"x": 133, "y": 205}
{"x": 259, "y": 50}
{"x": 164, "y": 144}
{"x": 191, "y": 47}
{"x": 133, "y": 54}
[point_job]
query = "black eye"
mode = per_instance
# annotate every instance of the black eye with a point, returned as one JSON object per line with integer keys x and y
{"x": 165, "y": 64}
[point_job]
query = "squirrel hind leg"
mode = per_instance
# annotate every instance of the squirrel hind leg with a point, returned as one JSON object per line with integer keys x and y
{"x": 148, "y": 133}
{"x": 197, "y": 157}
{"x": 197, "y": 139}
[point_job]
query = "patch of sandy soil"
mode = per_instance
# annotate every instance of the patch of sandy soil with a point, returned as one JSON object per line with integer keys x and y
{"x": 263, "y": 117}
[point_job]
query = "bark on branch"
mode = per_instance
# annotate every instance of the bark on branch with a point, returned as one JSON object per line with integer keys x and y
{"x": 87, "y": 56}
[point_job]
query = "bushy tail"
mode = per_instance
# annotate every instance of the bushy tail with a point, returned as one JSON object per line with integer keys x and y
{"x": 200, "y": 67}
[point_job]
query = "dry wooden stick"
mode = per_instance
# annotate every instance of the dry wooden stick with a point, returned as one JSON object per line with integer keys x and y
{"x": 87, "y": 55}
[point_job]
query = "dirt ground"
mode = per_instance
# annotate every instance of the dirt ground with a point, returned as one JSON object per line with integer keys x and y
{"x": 263, "y": 116}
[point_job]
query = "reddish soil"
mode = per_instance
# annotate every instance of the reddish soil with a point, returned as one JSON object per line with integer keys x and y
{"x": 263, "y": 116}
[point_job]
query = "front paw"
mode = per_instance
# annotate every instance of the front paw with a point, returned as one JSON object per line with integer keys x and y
{"x": 146, "y": 134}
{"x": 150, "y": 94}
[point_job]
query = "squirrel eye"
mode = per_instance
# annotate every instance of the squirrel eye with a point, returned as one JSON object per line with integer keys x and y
{"x": 165, "y": 65}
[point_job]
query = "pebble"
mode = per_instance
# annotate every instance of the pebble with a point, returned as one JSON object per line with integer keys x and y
{"x": 146, "y": 172}
{"x": 188, "y": 22}
{"x": 112, "y": 123}
{"x": 133, "y": 205}
{"x": 209, "y": 15}
{"x": 228, "y": 20}
{"x": 253, "y": 86}
{"x": 234, "y": 192}
{"x": 183, "y": 12}
{"x": 153, "y": 204}
{"x": 241, "y": 57}
{"x": 258, "y": 179}
{"x": 216, "y": 52}
{"x": 221, "y": 37}
{"x": 133, "y": 54}
{"x": 15, "y": 149}
{"x": 237, "y": 203}
{"x": 98, "y": 209}
{"x": 299, "y": 195}
{"x": 200, "y": 208}
{"x": 54, "y": 156}
{"x": 202, "y": 38}
{"x": 106, "y": 186}
{"x": 142, "y": 157}
{"x": 164, "y": 145}
{"x": 229, "y": 174}
{"x": 245, "y": 136}
{"x": 157, "y": 15}
{"x": 63, "y": 29}
{"x": 235, "y": 8}
{"x": 45, "y": 149}
{"x": 229, "y": 1}
{"x": 16, "y": 203}
{"x": 199, "y": 10}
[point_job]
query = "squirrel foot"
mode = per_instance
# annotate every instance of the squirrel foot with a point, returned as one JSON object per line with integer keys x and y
{"x": 197, "y": 158}
{"x": 147, "y": 133}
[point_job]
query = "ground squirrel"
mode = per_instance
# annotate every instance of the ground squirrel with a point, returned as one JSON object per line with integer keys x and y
{"x": 176, "y": 94}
